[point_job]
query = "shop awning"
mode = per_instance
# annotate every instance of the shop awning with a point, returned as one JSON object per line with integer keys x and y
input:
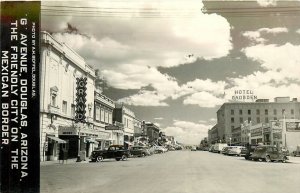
{"x": 56, "y": 139}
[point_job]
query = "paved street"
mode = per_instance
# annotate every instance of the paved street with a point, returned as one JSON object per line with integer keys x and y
{"x": 173, "y": 172}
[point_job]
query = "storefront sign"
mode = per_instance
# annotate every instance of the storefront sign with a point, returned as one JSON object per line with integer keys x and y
{"x": 293, "y": 126}
{"x": 80, "y": 99}
{"x": 112, "y": 127}
{"x": 276, "y": 125}
{"x": 103, "y": 135}
{"x": 256, "y": 132}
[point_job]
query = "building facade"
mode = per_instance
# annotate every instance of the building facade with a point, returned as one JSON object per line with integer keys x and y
{"x": 232, "y": 115}
{"x": 59, "y": 68}
{"x": 103, "y": 117}
{"x": 152, "y": 132}
{"x": 126, "y": 117}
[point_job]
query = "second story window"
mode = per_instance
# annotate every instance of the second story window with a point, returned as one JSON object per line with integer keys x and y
{"x": 241, "y": 111}
{"x": 232, "y": 119}
{"x": 97, "y": 116}
{"x": 72, "y": 110}
{"x": 53, "y": 96}
{"x": 275, "y": 111}
{"x": 258, "y": 120}
{"x": 292, "y": 111}
{"x": 249, "y": 119}
{"x": 64, "y": 107}
{"x": 232, "y": 112}
{"x": 249, "y": 112}
{"x": 266, "y": 120}
{"x": 266, "y": 112}
{"x": 257, "y": 111}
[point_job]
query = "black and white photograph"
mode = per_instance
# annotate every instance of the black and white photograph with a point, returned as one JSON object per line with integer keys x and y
{"x": 152, "y": 96}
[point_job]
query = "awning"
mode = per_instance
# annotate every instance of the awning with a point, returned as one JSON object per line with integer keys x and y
{"x": 57, "y": 139}
{"x": 91, "y": 141}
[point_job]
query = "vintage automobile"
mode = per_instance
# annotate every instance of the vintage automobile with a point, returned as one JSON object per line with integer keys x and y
{"x": 247, "y": 152}
{"x": 193, "y": 148}
{"x": 117, "y": 152}
{"x": 218, "y": 147}
{"x": 159, "y": 149}
{"x": 268, "y": 153}
{"x": 225, "y": 150}
{"x": 236, "y": 150}
{"x": 297, "y": 151}
{"x": 140, "y": 151}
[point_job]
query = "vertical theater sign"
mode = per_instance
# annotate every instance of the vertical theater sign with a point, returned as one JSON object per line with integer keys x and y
{"x": 80, "y": 100}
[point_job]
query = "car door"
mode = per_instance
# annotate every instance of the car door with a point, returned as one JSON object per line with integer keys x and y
{"x": 275, "y": 153}
{"x": 111, "y": 152}
{"x": 272, "y": 153}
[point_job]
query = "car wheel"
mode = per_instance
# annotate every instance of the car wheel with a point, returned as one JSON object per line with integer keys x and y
{"x": 118, "y": 159}
{"x": 99, "y": 158}
{"x": 268, "y": 159}
{"x": 143, "y": 154}
{"x": 124, "y": 158}
{"x": 284, "y": 159}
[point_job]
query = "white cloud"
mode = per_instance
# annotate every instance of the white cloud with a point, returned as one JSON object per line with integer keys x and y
{"x": 281, "y": 76}
{"x": 198, "y": 85}
{"x": 284, "y": 59}
{"x": 188, "y": 132}
{"x": 213, "y": 120}
{"x": 145, "y": 98}
{"x": 129, "y": 49}
{"x": 267, "y": 3}
{"x": 255, "y": 36}
{"x": 203, "y": 99}
{"x": 275, "y": 30}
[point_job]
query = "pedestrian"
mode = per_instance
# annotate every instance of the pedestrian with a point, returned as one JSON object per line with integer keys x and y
{"x": 60, "y": 155}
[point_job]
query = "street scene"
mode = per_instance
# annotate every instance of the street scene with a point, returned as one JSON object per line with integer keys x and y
{"x": 181, "y": 171}
{"x": 155, "y": 96}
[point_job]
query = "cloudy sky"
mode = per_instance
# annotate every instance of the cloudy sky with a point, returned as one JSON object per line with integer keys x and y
{"x": 175, "y": 62}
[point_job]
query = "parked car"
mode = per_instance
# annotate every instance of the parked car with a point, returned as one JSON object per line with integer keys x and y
{"x": 247, "y": 152}
{"x": 159, "y": 149}
{"x": 218, "y": 147}
{"x": 211, "y": 148}
{"x": 225, "y": 150}
{"x": 297, "y": 151}
{"x": 235, "y": 150}
{"x": 193, "y": 148}
{"x": 268, "y": 153}
{"x": 140, "y": 151}
{"x": 117, "y": 152}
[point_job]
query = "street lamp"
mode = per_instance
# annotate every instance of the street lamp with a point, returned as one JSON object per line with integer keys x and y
{"x": 78, "y": 125}
{"x": 249, "y": 138}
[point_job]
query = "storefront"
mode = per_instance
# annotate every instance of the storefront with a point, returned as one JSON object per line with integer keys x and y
{"x": 52, "y": 147}
{"x": 79, "y": 139}
{"x": 104, "y": 139}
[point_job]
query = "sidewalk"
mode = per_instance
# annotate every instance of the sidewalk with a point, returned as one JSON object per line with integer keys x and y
{"x": 59, "y": 162}
{"x": 293, "y": 159}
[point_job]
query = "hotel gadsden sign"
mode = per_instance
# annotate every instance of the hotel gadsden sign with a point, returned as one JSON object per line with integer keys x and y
{"x": 80, "y": 99}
